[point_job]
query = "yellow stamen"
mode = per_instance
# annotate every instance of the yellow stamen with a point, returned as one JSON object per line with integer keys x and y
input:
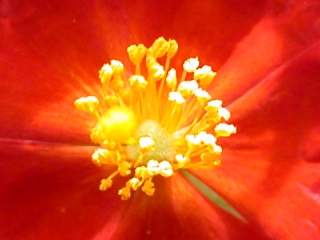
{"x": 188, "y": 88}
{"x": 125, "y": 192}
{"x": 134, "y": 183}
{"x": 153, "y": 125}
{"x": 159, "y": 47}
{"x": 136, "y": 53}
{"x": 103, "y": 156}
{"x": 146, "y": 143}
{"x": 181, "y": 160}
{"x": 105, "y": 74}
{"x": 204, "y": 75}
{"x": 88, "y": 104}
{"x": 165, "y": 169}
{"x": 225, "y": 130}
{"x": 202, "y": 95}
{"x": 171, "y": 79}
{"x": 105, "y": 184}
{"x": 148, "y": 187}
{"x": 117, "y": 67}
{"x": 176, "y": 97}
{"x": 138, "y": 82}
{"x": 173, "y": 48}
{"x": 191, "y": 65}
{"x": 153, "y": 167}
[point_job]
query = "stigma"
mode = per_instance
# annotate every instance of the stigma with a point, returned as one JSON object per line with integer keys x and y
{"x": 155, "y": 121}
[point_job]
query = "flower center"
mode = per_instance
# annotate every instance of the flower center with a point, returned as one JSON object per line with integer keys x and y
{"x": 153, "y": 123}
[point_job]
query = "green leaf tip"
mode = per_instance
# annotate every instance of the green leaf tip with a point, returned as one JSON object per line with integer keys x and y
{"x": 212, "y": 195}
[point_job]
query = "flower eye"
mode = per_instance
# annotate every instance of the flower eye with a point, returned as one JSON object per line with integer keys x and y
{"x": 155, "y": 123}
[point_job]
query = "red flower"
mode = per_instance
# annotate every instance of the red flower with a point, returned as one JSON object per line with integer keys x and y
{"x": 267, "y": 54}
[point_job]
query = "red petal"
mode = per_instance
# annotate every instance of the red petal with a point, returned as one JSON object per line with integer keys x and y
{"x": 53, "y": 52}
{"x": 43, "y": 69}
{"x": 282, "y": 198}
{"x": 50, "y": 191}
{"x": 26, "y": 108}
{"x": 208, "y": 29}
{"x": 284, "y": 108}
{"x": 271, "y": 170}
{"x": 177, "y": 211}
{"x": 275, "y": 39}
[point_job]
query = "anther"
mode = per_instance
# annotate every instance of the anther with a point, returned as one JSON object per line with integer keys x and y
{"x": 159, "y": 47}
{"x": 165, "y": 169}
{"x": 146, "y": 143}
{"x": 188, "y": 88}
{"x": 105, "y": 74}
{"x": 225, "y": 130}
{"x": 136, "y": 53}
{"x": 138, "y": 82}
{"x": 105, "y": 184}
{"x": 171, "y": 79}
{"x": 191, "y": 65}
{"x": 102, "y": 156}
{"x": 87, "y": 104}
{"x": 181, "y": 160}
{"x": 202, "y": 96}
{"x": 204, "y": 75}
{"x": 153, "y": 167}
{"x": 173, "y": 48}
{"x": 176, "y": 97}
{"x": 148, "y": 187}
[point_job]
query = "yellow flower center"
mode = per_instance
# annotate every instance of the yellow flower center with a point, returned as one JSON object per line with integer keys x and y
{"x": 154, "y": 123}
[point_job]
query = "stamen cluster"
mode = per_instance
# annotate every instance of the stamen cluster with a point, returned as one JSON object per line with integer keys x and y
{"x": 153, "y": 123}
